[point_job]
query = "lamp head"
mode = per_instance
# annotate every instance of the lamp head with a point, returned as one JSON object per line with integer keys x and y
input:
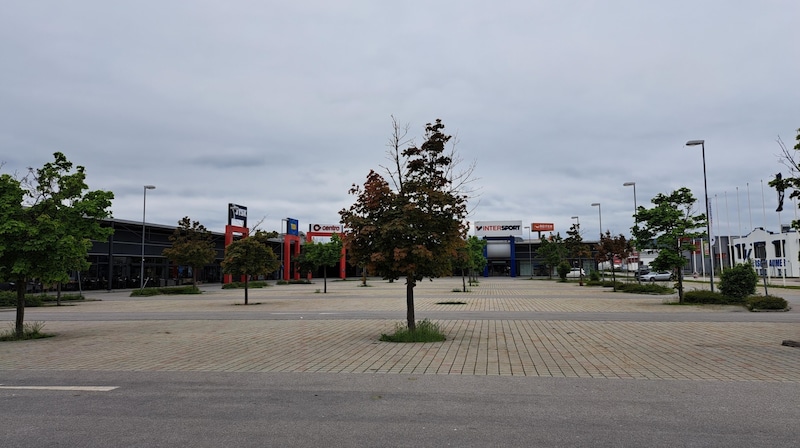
{"x": 695, "y": 142}
{"x": 629, "y": 184}
{"x": 595, "y": 204}
{"x": 149, "y": 187}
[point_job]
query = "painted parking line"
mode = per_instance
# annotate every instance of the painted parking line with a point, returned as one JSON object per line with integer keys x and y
{"x": 68, "y": 388}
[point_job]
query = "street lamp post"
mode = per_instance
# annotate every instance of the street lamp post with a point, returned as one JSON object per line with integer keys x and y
{"x": 530, "y": 247}
{"x": 702, "y": 144}
{"x": 600, "y": 216}
{"x": 144, "y": 212}
{"x": 635, "y": 207}
{"x": 635, "y": 216}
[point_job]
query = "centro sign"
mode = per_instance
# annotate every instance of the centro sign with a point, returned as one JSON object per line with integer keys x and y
{"x": 498, "y": 228}
{"x": 333, "y": 228}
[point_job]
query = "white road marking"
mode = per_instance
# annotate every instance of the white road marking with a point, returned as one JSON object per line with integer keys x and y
{"x": 71, "y": 388}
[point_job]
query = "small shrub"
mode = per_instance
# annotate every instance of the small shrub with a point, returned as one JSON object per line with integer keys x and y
{"x": 9, "y": 299}
{"x": 239, "y": 285}
{"x": 426, "y": 331}
{"x": 739, "y": 281}
{"x": 169, "y": 290}
{"x": 146, "y": 292}
{"x": 710, "y": 298}
{"x": 30, "y": 330}
{"x": 563, "y": 269}
{"x": 303, "y": 281}
{"x": 754, "y": 303}
{"x": 179, "y": 290}
{"x": 635, "y": 288}
{"x": 594, "y": 276}
{"x": 604, "y": 284}
{"x": 64, "y": 297}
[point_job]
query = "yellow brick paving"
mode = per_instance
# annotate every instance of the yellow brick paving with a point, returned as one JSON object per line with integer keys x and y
{"x": 712, "y": 351}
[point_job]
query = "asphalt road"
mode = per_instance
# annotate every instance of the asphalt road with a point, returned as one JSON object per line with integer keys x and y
{"x": 169, "y": 397}
{"x": 303, "y": 410}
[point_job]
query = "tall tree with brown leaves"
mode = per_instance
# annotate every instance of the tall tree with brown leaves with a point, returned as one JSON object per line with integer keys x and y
{"x": 414, "y": 228}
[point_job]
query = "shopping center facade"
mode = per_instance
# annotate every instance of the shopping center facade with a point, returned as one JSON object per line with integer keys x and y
{"x": 511, "y": 250}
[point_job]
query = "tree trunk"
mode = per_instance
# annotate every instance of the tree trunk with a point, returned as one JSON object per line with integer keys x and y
{"x": 58, "y": 294}
{"x": 325, "y": 279}
{"x": 246, "y": 277}
{"x": 19, "y": 327}
{"x": 410, "y": 283}
{"x": 613, "y": 276}
{"x": 463, "y": 281}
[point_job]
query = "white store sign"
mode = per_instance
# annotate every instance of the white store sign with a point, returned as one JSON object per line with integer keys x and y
{"x": 498, "y": 228}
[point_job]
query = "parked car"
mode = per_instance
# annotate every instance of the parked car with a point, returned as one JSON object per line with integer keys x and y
{"x": 656, "y": 276}
{"x": 576, "y": 273}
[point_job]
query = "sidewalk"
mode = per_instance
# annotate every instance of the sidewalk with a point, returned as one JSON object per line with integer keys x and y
{"x": 315, "y": 334}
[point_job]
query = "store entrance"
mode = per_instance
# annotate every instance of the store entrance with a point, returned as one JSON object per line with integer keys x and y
{"x": 499, "y": 268}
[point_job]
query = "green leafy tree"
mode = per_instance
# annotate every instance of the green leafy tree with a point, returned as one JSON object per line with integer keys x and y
{"x": 780, "y": 183}
{"x": 415, "y": 229}
{"x": 303, "y": 263}
{"x": 49, "y": 218}
{"x": 576, "y": 248}
{"x": 612, "y": 247}
{"x": 552, "y": 251}
{"x": 322, "y": 254}
{"x": 667, "y": 227}
{"x": 475, "y": 249}
{"x": 470, "y": 259}
{"x": 739, "y": 281}
{"x": 250, "y": 256}
{"x": 192, "y": 246}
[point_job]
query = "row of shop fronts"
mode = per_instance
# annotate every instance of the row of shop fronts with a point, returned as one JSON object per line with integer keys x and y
{"x": 117, "y": 263}
{"x": 773, "y": 254}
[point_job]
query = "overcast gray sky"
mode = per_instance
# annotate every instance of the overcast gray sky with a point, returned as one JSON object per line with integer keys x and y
{"x": 281, "y": 106}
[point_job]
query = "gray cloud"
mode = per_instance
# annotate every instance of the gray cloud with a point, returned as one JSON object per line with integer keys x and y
{"x": 282, "y": 106}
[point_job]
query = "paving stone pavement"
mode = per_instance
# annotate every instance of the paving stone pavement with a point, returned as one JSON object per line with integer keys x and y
{"x": 101, "y": 335}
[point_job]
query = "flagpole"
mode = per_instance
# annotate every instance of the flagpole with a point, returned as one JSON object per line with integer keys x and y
{"x": 703, "y": 257}
{"x": 763, "y": 204}
{"x": 749, "y": 208}
{"x": 739, "y": 217}
{"x": 728, "y": 219}
{"x": 718, "y": 238}
{"x": 764, "y": 211}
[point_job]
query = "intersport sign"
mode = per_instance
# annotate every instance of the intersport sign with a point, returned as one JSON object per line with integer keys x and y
{"x": 498, "y": 228}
